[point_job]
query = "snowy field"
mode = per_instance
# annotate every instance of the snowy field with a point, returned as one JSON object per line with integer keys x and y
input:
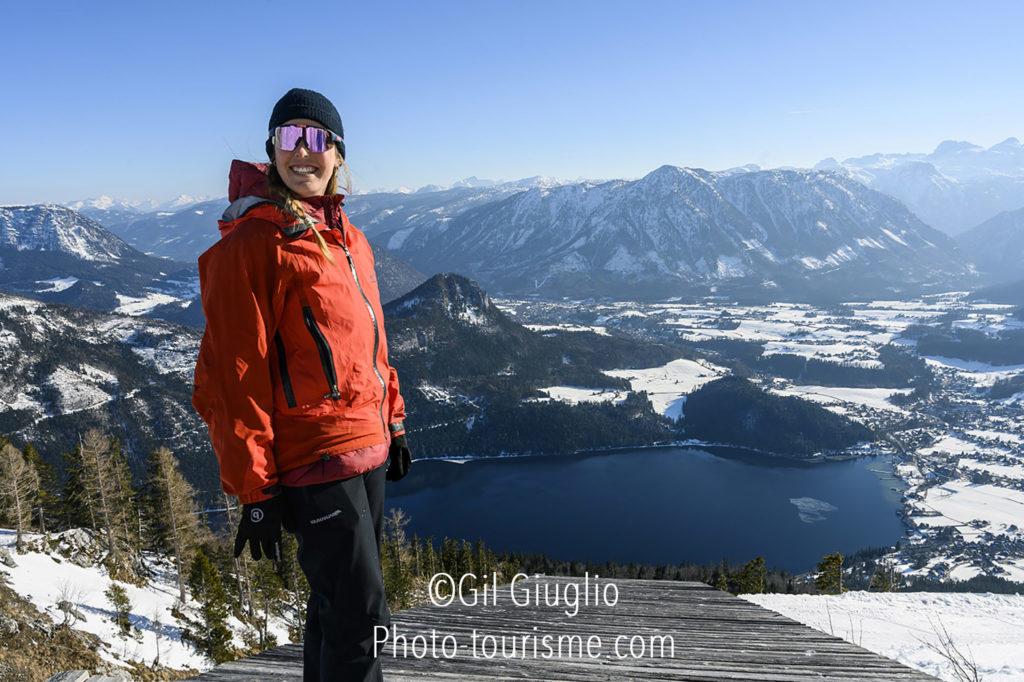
{"x": 986, "y": 627}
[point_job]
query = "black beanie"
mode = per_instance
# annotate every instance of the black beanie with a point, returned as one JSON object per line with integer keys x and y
{"x": 302, "y": 103}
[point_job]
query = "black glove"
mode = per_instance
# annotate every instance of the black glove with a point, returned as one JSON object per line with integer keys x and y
{"x": 261, "y": 528}
{"x": 401, "y": 459}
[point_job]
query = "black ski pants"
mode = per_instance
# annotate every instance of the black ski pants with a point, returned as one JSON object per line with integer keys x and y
{"x": 338, "y": 526}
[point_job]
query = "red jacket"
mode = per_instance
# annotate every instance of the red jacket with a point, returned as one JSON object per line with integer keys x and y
{"x": 293, "y": 364}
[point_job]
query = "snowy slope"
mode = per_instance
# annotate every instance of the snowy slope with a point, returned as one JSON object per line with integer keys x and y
{"x": 45, "y": 578}
{"x": 989, "y": 627}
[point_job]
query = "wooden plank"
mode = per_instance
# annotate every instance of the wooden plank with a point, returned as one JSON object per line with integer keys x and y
{"x": 716, "y": 637}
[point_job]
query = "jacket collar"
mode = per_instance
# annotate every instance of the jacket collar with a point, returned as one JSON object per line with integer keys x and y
{"x": 247, "y": 188}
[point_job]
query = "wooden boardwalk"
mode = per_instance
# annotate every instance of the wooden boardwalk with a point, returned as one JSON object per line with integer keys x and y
{"x": 716, "y": 636}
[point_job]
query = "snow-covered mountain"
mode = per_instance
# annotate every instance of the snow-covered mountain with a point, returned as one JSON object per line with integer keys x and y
{"x": 105, "y": 202}
{"x": 48, "y": 227}
{"x": 673, "y": 231}
{"x": 64, "y": 369}
{"x": 109, "y": 210}
{"x": 997, "y": 246}
{"x": 953, "y": 188}
{"x": 181, "y": 234}
{"x": 56, "y": 254}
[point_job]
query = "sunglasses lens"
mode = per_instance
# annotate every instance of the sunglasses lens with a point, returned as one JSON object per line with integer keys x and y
{"x": 287, "y": 137}
{"x": 317, "y": 139}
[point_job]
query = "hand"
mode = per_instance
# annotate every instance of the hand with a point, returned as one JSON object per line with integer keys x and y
{"x": 401, "y": 459}
{"x": 261, "y": 528}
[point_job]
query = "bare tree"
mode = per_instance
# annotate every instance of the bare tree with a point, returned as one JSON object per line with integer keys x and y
{"x": 174, "y": 516}
{"x": 106, "y": 491}
{"x": 19, "y": 486}
{"x": 68, "y": 599}
{"x": 962, "y": 667}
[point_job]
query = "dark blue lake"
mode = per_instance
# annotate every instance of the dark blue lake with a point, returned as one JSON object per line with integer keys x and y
{"x": 660, "y": 505}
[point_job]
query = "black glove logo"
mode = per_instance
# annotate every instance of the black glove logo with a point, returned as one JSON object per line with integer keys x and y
{"x": 256, "y": 515}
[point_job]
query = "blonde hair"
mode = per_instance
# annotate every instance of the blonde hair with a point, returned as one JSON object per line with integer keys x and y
{"x": 293, "y": 206}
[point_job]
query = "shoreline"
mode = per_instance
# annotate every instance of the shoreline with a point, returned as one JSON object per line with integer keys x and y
{"x": 688, "y": 443}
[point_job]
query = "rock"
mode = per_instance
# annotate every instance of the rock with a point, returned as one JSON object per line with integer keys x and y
{"x": 86, "y": 676}
{"x": 71, "y": 676}
{"x": 6, "y": 559}
{"x": 115, "y": 676}
{"x": 8, "y": 626}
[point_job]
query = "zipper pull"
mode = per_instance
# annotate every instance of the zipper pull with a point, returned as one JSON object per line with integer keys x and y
{"x": 334, "y": 393}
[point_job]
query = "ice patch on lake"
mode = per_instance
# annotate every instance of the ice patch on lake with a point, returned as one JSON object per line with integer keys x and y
{"x": 811, "y": 509}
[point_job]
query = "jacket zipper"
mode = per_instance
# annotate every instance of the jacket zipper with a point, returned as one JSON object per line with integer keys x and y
{"x": 282, "y": 363}
{"x": 324, "y": 349}
{"x": 373, "y": 320}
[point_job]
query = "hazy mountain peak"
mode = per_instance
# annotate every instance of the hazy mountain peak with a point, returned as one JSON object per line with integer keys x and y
{"x": 953, "y": 147}
{"x": 1009, "y": 144}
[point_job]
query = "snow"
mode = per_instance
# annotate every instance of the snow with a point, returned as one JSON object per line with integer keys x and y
{"x": 41, "y": 578}
{"x": 565, "y": 327}
{"x": 131, "y": 305}
{"x": 577, "y": 394}
{"x": 668, "y": 384}
{"x": 874, "y": 398}
{"x": 79, "y": 390}
{"x": 981, "y": 374}
{"x": 1004, "y": 470}
{"x": 988, "y": 626}
{"x": 56, "y": 284}
{"x": 896, "y": 238}
{"x": 972, "y": 508}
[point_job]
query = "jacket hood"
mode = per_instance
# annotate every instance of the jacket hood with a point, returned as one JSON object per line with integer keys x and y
{"x": 247, "y": 188}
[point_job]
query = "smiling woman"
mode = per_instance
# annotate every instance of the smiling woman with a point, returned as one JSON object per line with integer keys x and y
{"x": 293, "y": 380}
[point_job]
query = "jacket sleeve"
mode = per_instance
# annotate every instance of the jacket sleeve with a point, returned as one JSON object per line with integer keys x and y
{"x": 242, "y": 298}
{"x": 396, "y": 420}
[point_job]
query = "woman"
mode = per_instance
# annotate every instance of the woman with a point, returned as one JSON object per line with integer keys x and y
{"x": 293, "y": 381}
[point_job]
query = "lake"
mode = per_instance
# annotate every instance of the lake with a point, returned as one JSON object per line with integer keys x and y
{"x": 657, "y": 505}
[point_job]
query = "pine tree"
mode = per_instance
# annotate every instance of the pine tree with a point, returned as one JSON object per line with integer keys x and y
{"x": 428, "y": 564}
{"x": 19, "y": 487}
{"x": 125, "y": 497}
{"x": 172, "y": 516}
{"x": 465, "y": 559}
{"x": 268, "y": 595}
{"x": 830, "y": 574}
{"x": 122, "y": 607}
{"x": 751, "y": 578}
{"x": 240, "y": 564}
{"x": 885, "y": 577}
{"x": 296, "y": 589}
{"x": 396, "y": 561}
{"x": 210, "y": 635}
{"x": 722, "y": 582}
{"x": 47, "y": 502}
{"x": 75, "y": 512}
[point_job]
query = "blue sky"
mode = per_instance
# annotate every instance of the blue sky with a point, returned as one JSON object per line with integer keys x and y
{"x": 151, "y": 100}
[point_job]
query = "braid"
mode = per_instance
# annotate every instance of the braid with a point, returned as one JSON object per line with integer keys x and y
{"x": 292, "y": 206}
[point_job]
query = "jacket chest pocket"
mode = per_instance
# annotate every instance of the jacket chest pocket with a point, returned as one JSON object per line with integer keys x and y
{"x": 311, "y": 364}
